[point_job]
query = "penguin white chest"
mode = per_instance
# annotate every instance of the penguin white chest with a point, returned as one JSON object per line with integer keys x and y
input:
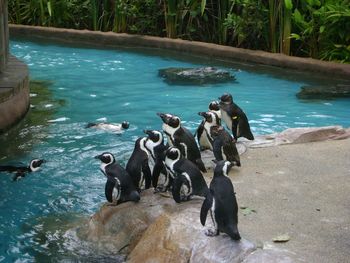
{"x": 227, "y": 119}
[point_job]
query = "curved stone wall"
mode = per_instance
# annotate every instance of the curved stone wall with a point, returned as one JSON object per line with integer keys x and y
{"x": 14, "y": 93}
{"x": 225, "y": 53}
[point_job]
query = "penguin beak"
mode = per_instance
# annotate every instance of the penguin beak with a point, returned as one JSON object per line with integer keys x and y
{"x": 98, "y": 157}
{"x": 164, "y": 117}
{"x": 148, "y": 132}
{"x": 203, "y": 114}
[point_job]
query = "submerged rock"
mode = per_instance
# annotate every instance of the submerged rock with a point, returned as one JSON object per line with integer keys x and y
{"x": 324, "y": 92}
{"x": 195, "y": 76}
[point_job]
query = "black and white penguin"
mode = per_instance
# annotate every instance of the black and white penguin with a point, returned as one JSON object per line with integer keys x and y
{"x": 214, "y": 106}
{"x": 119, "y": 186}
{"x": 182, "y": 138}
{"x": 204, "y": 137}
{"x": 137, "y": 166}
{"x": 112, "y": 127}
{"x": 21, "y": 171}
{"x": 161, "y": 179}
{"x": 224, "y": 146}
{"x": 188, "y": 179}
{"x": 222, "y": 203}
{"x": 234, "y": 117}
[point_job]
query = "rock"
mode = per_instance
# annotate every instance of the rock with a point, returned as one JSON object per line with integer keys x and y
{"x": 195, "y": 76}
{"x": 300, "y": 135}
{"x": 324, "y": 92}
{"x": 271, "y": 255}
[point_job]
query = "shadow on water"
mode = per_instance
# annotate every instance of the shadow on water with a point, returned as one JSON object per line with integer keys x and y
{"x": 60, "y": 238}
{"x": 32, "y": 129}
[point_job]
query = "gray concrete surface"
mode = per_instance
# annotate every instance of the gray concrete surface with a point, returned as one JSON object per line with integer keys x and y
{"x": 302, "y": 190}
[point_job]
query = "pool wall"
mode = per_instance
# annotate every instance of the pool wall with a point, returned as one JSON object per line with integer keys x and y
{"x": 14, "y": 93}
{"x": 208, "y": 50}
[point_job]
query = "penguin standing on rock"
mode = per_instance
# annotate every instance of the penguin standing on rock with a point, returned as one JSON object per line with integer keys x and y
{"x": 224, "y": 146}
{"x": 188, "y": 179}
{"x": 234, "y": 117}
{"x": 204, "y": 137}
{"x": 222, "y": 203}
{"x": 119, "y": 186}
{"x": 180, "y": 137}
{"x": 137, "y": 166}
{"x": 20, "y": 171}
{"x": 156, "y": 149}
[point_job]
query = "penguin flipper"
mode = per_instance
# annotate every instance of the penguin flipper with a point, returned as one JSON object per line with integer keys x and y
{"x": 243, "y": 128}
{"x": 217, "y": 150}
{"x": 177, "y": 183}
{"x": 109, "y": 190}
{"x": 18, "y": 175}
{"x": 207, "y": 203}
{"x": 201, "y": 165}
{"x": 147, "y": 173}
{"x": 199, "y": 131}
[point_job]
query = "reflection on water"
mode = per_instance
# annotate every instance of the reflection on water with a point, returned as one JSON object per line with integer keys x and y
{"x": 33, "y": 128}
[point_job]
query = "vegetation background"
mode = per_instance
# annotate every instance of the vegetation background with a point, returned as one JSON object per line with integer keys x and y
{"x": 311, "y": 28}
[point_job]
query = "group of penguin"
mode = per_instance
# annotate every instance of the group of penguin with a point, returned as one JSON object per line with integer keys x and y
{"x": 177, "y": 166}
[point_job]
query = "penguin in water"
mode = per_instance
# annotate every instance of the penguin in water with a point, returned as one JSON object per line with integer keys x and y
{"x": 137, "y": 166}
{"x": 224, "y": 146}
{"x": 204, "y": 137}
{"x": 188, "y": 179}
{"x": 21, "y": 171}
{"x": 235, "y": 118}
{"x": 180, "y": 137}
{"x": 119, "y": 185}
{"x": 112, "y": 127}
{"x": 222, "y": 203}
{"x": 161, "y": 179}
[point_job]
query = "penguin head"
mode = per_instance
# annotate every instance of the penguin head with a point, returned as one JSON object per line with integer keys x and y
{"x": 210, "y": 117}
{"x": 222, "y": 168}
{"x": 173, "y": 153}
{"x": 226, "y": 98}
{"x": 125, "y": 125}
{"x": 154, "y": 135}
{"x": 214, "y": 106}
{"x": 169, "y": 119}
{"x": 106, "y": 158}
{"x": 35, "y": 164}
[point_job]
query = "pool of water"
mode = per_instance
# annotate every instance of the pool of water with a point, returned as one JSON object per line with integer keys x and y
{"x": 114, "y": 85}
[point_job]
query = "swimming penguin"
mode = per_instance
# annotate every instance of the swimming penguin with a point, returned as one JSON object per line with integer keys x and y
{"x": 188, "y": 179}
{"x": 224, "y": 146}
{"x": 137, "y": 166}
{"x": 180, "y": 137}
{"x": 20, "y": 171}
{"x": 112, "y": 127}
{"x": 235, "y": 118}
{"x": 222, "y": 203}
{"x": 204, "y": 137}
{"x": 161, "y": 179}
{"x": 119, "y": 185}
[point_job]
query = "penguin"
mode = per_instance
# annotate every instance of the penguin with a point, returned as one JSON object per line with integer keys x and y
{"x": 112, "y": 127}
{"x": 204, "y": 137}
{"x": 119, "y": 185}
{"x": 224, "y": 146}
{"x": 161, "y": 179}
{"x": 222, "y": 203}
{"x": 137, "y": 166}
{"x": 20, "y": 171}
{"x": 214, "y": 106}
{"x": 188, "y": 179}
{"x": 234, "y": 117}
{"x": 180, "y": 137}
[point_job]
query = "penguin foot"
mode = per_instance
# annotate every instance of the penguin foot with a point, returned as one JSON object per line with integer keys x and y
{"x": 211, "y": 232}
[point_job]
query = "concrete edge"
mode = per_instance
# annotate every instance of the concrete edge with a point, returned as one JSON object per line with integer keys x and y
{"x": 226, "y": 53}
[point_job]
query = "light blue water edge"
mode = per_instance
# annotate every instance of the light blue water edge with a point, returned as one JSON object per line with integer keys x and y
{"x": 92, "y": 85}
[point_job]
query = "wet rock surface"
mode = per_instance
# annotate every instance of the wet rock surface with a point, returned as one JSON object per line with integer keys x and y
{"x": 324, "y": 92}
{"x": 195, "y": 76}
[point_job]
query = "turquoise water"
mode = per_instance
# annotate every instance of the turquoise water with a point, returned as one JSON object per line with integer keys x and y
{"x": 115, "y": 85}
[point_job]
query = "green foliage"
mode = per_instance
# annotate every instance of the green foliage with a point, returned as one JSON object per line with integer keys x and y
{"x": 315, "y": 28}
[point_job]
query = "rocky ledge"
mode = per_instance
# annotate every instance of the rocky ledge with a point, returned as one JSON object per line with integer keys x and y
{"x": 159, "y": 230}
{"x": 195, "y": 76}
{"x": 324, "y": 92}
